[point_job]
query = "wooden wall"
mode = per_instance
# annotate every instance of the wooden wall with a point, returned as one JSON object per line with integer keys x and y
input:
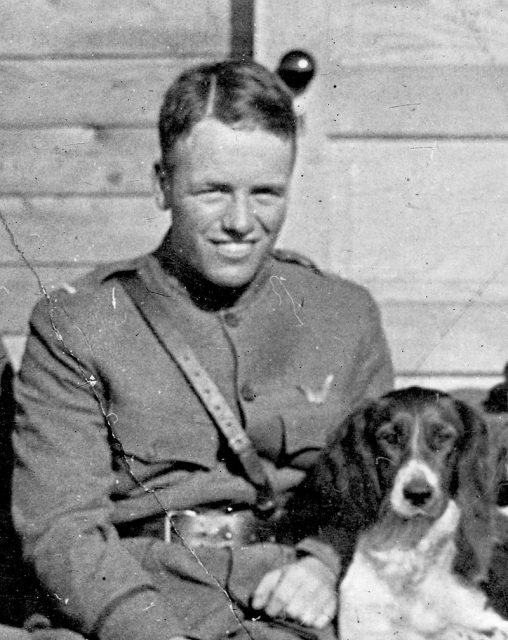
{"x": 80, "y": 87}
{"x": 404, "y": 169}
{"x": 402, "y": 178}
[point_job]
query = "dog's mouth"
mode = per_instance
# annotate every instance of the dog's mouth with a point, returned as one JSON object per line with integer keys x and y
{"x": 429, "y": 507}
{"x": 402, "y": 528}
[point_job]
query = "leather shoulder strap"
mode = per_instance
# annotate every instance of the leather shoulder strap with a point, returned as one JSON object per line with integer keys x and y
{"x": 203, "y": 386}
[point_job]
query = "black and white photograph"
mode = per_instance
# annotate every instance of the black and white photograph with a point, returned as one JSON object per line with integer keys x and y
{"x": 253, "y": 320}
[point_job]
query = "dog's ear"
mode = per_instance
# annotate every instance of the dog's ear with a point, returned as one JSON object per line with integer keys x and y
{"x": 341, "y": 493}
{"x": 475, "y": 488}
{"x": 352, "y": 457}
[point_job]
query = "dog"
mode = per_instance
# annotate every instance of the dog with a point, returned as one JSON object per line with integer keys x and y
{"x": 406, "y": 493}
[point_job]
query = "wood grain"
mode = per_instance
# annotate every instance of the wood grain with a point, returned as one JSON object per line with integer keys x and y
{"x": 469, "y": 388}
{"x": 77, "y": 160}
{"x": 76, "y": 92}
{"x": 383, "y": 32}
{"x": 445, "y": 100}
{"x": 421, "y": 221}
{"x": 115, "y": 27}
{"x": 432, "y": 338}
{"x": 79, "y": 230}
{"x": 423, "y": 211}
{"x": 418, "y": 32}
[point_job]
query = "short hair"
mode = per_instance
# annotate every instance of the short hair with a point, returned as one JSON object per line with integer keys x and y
{"x": 236, "y": 93}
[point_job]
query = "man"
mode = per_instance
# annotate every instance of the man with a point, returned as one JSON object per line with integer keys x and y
{"x": 111, "y": 435}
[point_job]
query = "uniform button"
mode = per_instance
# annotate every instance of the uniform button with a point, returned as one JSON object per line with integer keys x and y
{"x": 247, "y": 392}
{"x": 231, "y": 319}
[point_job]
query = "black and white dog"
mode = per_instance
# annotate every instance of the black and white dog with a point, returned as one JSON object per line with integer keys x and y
{"x": 405, "y": 492}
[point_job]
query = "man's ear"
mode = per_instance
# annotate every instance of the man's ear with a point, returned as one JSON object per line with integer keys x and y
{"x": 161, "y": 186}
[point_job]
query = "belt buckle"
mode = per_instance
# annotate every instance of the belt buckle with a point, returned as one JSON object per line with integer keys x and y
{"x": 212, "y": 528}
{"x": 168, "y": 523}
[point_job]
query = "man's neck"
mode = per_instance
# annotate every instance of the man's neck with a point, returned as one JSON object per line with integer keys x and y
{"x": 204, "y": 294}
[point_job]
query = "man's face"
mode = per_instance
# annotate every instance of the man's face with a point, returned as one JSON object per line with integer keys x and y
{"x": 227, "y": 192}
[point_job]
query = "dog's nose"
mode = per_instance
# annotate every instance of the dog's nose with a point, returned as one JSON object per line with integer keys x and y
{"x": 417, "y": 492}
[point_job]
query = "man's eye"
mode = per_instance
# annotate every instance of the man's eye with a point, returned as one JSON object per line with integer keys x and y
{"x": 267, "y": 196}
{"x": 211, "y": 193}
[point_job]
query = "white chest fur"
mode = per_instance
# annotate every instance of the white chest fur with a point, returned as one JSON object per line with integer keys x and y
{"x": 412, "y": 593}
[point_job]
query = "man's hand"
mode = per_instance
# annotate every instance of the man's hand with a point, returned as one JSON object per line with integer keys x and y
{"x": 304, "y": 590}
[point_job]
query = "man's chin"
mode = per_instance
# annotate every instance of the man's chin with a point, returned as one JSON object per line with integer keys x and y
{"x": 232, "y": 275}
{"x": 232, "y": 280}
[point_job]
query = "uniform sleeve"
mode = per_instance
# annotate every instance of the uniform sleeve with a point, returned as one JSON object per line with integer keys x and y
{"x": 61, "y": 487}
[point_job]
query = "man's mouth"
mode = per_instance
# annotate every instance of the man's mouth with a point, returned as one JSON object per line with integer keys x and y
{"x": 235, "y": 250}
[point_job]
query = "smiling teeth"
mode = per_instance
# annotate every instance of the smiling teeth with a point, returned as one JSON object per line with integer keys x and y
{"x": 236, "y": 249}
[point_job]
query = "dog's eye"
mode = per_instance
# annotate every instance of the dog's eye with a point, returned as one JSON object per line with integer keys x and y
{"x": 442, "y": 436}
{"x": 388, "y": 436}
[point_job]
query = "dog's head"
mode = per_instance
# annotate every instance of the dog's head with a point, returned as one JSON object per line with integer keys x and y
{"x": 407, "y": 454}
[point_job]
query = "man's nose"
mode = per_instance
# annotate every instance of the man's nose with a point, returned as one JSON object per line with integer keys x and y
{"x": 239, "y": 217}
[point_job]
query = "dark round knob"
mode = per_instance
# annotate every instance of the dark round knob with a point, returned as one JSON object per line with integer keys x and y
{"x": 296, "y": 69}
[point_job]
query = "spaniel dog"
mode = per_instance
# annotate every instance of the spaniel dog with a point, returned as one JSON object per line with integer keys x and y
{"x": 405, "y": 492}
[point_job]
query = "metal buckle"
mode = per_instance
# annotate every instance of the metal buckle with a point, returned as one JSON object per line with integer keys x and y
{"x": 168, "y": 524}
{"x": 210, "y": 528}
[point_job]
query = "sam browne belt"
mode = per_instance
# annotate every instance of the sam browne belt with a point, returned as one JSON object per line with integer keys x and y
{"x": 139, "y": 288}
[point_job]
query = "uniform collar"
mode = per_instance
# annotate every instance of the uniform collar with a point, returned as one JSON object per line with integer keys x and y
{"x": 204, "y": 294}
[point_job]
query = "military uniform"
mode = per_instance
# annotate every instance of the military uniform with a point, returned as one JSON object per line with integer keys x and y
{"x": 109, "y": 433}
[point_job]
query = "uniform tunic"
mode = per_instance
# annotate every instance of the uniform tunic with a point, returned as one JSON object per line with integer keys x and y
{"x": 292, "y": 355}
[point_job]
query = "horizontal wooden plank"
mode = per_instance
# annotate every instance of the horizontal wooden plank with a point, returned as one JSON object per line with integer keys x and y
{"x": 21, "y": 288}
{"x": 76, "y": 230}
{"x": 414, "y": 32}
{"x": 419, "y": 32}
{"x": 120, "y": 27}
{"x": 465, "y": 292}
{"x": 77, "y": 160}
{"x": 90, "y": 92}
{"x": 421, "y": 213}
{"x": 413, "y": 220}
{"x": 420, "y": 101}
{"x": 101, "y": 160}
{"x": 447, "y": 338}
{"x": 472, "y": 389}
{"x": 82, "y": 230}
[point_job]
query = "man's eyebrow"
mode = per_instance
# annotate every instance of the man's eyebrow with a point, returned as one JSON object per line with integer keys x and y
{"x": 270, "y": 186}
{"x": 210, "y": 182}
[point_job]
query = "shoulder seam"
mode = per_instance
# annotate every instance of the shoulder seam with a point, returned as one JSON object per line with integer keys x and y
{"x": 294, "y": 257}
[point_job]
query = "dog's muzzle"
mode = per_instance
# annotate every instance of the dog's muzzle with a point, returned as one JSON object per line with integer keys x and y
{"x": 416, "y": 491}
